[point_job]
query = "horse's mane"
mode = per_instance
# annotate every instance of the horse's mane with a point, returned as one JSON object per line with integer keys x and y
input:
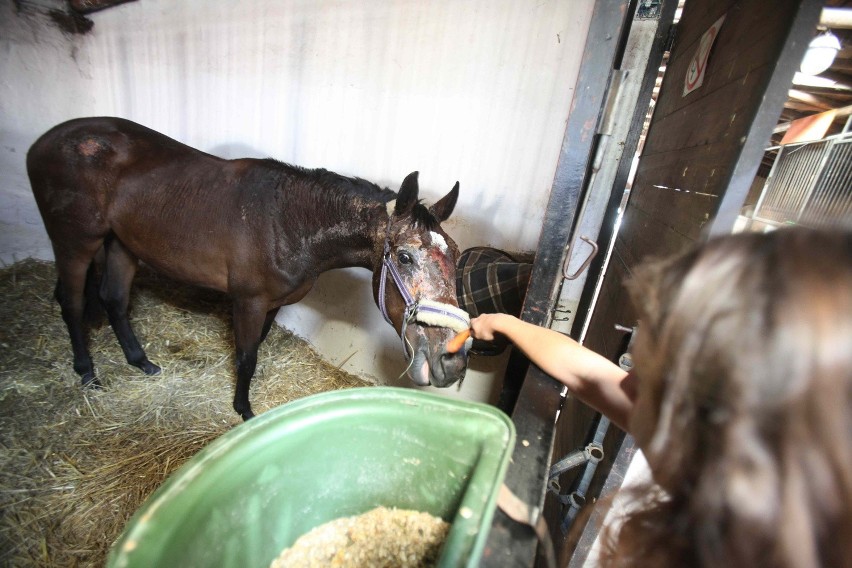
{"x": 332, "y": 181}
{"x": 349, "y": 186}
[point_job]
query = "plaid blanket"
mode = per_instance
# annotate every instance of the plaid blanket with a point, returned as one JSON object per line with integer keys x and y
{"x": 490, "y": 280}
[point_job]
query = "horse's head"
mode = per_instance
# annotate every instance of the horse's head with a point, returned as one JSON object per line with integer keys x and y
{"x": 415, "y": 285}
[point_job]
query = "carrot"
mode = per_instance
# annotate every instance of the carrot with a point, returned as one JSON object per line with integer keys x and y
{"x": 456, "y": 343}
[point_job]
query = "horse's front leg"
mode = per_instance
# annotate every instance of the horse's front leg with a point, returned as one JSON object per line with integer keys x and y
{"x": 251, "y": 323}
{"x": 270, "y": 317}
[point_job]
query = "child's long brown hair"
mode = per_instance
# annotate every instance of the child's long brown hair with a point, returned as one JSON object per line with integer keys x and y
{"x": 744, "y": 364}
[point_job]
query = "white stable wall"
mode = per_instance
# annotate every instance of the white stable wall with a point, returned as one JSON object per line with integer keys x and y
{"x": 471, "y": 90}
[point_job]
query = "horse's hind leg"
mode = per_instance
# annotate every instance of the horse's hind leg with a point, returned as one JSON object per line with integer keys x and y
{"x": 70, "y": 293}
{"x": 93, "y": 311}
{"x": 119, "y": 269}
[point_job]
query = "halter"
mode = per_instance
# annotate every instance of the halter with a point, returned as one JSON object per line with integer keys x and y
{"x": 422, "y": 310}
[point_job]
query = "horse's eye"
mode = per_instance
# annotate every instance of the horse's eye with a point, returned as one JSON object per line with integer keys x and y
{"x": 405, "y": 258}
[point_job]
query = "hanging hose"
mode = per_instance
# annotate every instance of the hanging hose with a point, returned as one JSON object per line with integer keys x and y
{"x": 577, "y": 498}
{"x": 590, "y": 456}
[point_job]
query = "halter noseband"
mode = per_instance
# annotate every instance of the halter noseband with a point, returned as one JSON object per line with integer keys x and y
{"x": 422, "y": 310}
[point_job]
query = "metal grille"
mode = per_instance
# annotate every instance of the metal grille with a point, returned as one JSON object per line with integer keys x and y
{"x": 810, "y": 184}
{"x": 831, "y": 196}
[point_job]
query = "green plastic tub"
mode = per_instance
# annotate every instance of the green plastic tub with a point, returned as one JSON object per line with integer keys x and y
{"x": 255, "y": 490}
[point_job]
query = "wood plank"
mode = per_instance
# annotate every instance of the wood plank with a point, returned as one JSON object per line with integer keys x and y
{"x": 694, "y": 21}
{"x": 682, "y": 213}
{"x": 615, "y": 306}
{"x": 683, "y": 187}
{"x": 648, "y": 237}
{"x": 723, "y": 115}
{"x": 698, "y": 169}
{"x": 749, "y": 40}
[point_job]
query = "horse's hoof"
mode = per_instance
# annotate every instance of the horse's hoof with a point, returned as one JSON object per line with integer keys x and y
{"x": 91, "y": 381}
{"x": 149, "y": 368}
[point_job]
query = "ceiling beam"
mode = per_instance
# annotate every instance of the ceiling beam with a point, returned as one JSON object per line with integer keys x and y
{"x": 839, "y": 18}
{"x": 807, "y": 98}
{"x": 842, "y": 112}
{"x": 841, "y": 80}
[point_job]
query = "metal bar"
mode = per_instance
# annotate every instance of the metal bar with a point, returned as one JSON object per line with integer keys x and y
{"x": 540, "y": 397}
{"x": 819, "y": 168}
{"x": 585, "y": 265}
{"x": 841, "y": 135}
{"x": 766, "y": 185}
{"x": 795, "y": 174}
{"x": 608, "y": 224}
{"x": 831, "y": 202}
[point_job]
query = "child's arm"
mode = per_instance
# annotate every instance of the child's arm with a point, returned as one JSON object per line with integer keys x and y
{"x": 592, "y": 378}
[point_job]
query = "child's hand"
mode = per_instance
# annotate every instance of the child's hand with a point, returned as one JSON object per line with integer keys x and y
{"x": 484, "y": 327}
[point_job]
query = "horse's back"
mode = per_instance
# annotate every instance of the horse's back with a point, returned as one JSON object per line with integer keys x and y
{"x": 96, "y": 145}
{"x": 195, "y": 217}
{"x": 78, "y": 167}
{"x": 185, "y": 212}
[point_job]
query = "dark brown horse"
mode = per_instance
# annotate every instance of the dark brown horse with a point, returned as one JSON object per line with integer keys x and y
{"x": 259, "y": 230}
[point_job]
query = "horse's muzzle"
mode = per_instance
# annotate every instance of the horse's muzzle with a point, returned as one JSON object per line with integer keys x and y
{"x": 431, "y": 363}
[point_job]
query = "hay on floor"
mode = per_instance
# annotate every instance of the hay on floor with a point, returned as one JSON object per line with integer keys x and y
{"x": 76, "y": 463}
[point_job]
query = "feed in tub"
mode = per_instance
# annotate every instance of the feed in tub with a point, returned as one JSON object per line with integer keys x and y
{"x": 382, "y": 537}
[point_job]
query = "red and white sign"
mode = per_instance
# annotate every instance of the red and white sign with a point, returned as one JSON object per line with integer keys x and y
{"x": 698, "y": 66}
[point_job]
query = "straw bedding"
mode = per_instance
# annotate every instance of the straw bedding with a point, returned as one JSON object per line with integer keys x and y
{"x": 76, "y": 463}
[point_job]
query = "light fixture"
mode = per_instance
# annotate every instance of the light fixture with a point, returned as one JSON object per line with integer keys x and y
{"x": 820, "y": 54}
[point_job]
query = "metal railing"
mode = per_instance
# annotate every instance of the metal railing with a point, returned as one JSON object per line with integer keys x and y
{"x": 810, "y": 184}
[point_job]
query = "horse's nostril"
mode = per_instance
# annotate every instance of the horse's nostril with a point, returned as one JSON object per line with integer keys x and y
{"x": 454, "y": 365}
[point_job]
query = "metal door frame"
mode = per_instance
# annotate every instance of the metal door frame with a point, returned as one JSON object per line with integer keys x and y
{"x": 539, "y": 399}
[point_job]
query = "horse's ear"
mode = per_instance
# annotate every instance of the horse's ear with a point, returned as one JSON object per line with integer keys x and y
{"x": 406, "y": 199}
{"x": 443, "y": 208}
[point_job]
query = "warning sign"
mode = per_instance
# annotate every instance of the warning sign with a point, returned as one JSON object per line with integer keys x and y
{"x": 698, "y": 66}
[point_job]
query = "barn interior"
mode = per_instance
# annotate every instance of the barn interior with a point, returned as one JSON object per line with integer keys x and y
{"x": 570, "y": 127}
